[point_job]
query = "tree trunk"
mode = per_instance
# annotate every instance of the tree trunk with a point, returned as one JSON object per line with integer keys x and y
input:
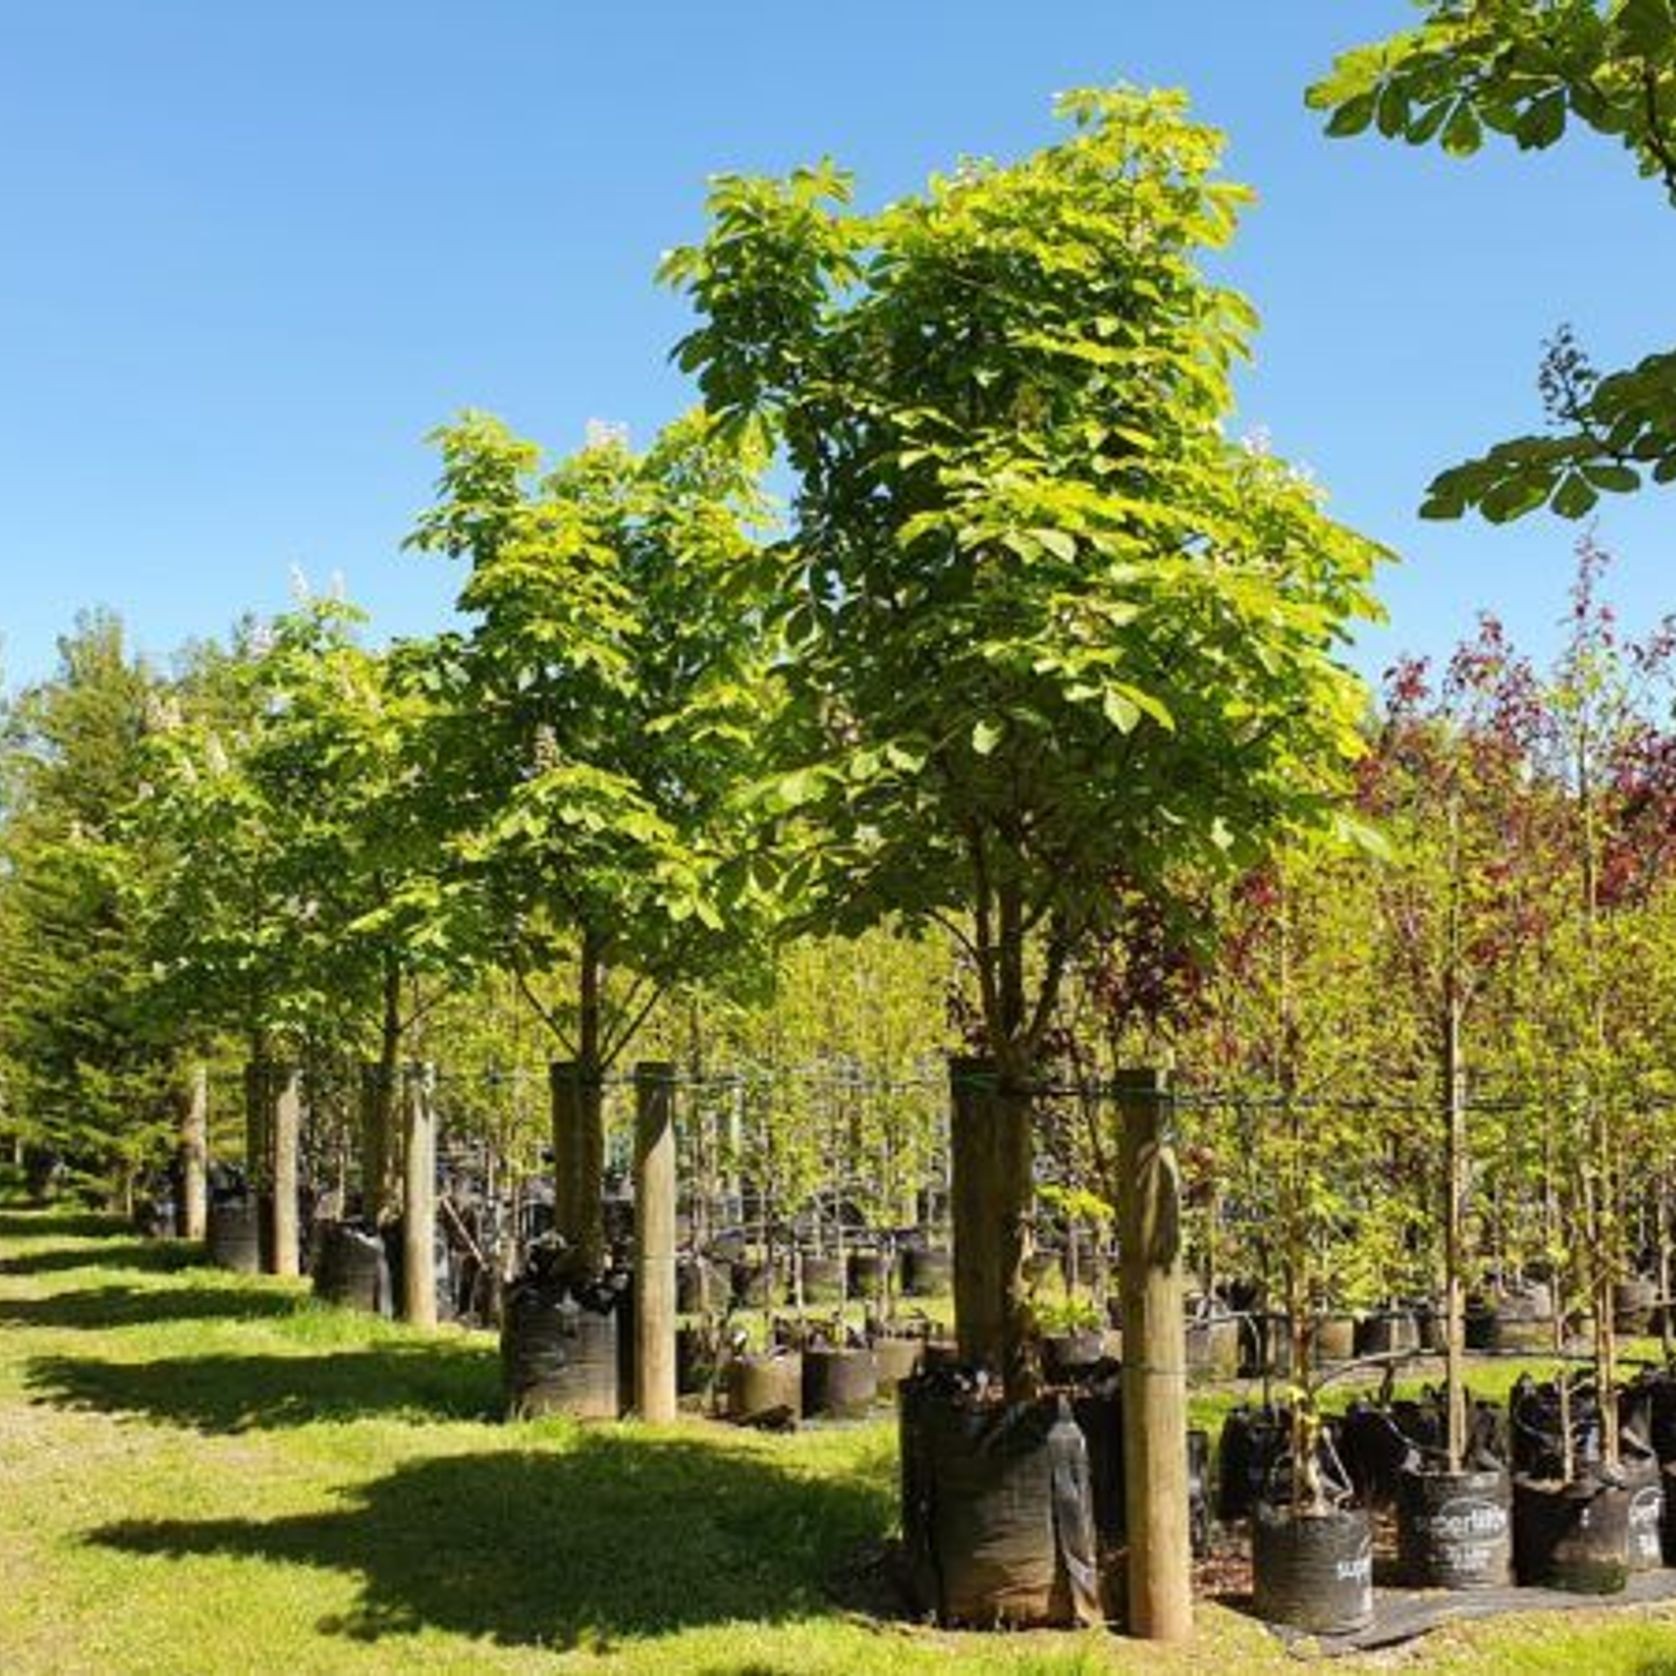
{"x": 989, "y": 1137}
{"x": 579, "y": 1160}
{"x": 379, "y": 1102}
{"x": 654, "y": 1242}
{"x": 258, "y": 1097}
{"x": 285, "y": 1115}
{"x": 1154, "y": 1364}
{"x": 1454, "y": 1226}
{"x": 419, "y": 1197}
{"x": 194, "y": 1156}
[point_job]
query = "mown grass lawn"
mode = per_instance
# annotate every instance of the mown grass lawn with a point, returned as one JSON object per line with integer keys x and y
{"x": 203, "y": 1474}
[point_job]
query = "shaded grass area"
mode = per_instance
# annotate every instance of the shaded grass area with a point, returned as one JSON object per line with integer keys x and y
{"x": 528, "y": 1547}
{"x": 209, "y": 1473}
{"x": 229, "y": 1393}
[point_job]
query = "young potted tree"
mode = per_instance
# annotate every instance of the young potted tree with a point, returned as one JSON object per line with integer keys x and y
{"x": 1022, "y": 536}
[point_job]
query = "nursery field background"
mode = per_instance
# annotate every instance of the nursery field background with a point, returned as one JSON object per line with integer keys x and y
{"x": 210, "y": 1473}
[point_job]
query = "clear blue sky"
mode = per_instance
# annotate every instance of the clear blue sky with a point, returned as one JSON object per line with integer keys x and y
{"x": 252, "y": 250}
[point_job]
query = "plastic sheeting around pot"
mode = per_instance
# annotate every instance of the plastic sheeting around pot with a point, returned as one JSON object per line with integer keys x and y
{"x": 1645, "y": 1483}
{"x": 997, "y": 1508}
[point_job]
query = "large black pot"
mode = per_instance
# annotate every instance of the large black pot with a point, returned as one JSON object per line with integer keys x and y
{"x": 821, "y": 1279}
{"x": 558, "y": 1356}
{"x": 1571, "y": 1536}
{"x": 1068, "y": 1356}
{"x": 926, "y": 1273}
{"x": 1254, "y": 1441}
{"x": 1387, "y": 1332}
{"x": 1313, "y": 1571}
{"x": 233, "y": 1235}
{"x": 1633, "y": 1303}
{"x": 839, "y": 1384}
{"x": 1455, "y": 1529}
{"x": 766, "y": 1390}
{"x": 867, "y": 1274}
{"x": 1213, "y": 1347}
{"x": 351, "y": 1269}
{"x": 897, "y": 1358}
{"x": 1645, "y": 1483}
{"x": 997, "y": 1509}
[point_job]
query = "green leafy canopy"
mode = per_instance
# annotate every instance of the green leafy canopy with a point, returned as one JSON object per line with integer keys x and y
{"x": 1529, "y": 70}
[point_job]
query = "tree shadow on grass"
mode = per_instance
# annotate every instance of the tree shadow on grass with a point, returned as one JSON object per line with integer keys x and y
{"x": 146, "y": 1256}
{"x": 226, "y": 1394}
{"x": 614, "y": 1535}
{"x": 128, "y": 1306}
{"x": 66, "y": 1224}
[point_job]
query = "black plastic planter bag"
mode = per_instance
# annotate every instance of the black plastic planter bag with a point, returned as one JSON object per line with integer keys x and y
{"x": 1455, "y": 1529}
{"x": 1313, "y": 1571}
{"x": 1644, "y": 1481}
{"x": 559, "y": 1354}
{"x": 351, "y": 1269}
{"x": 997, "y": 1509}
{"x": 233, "y": 1235}
{"x": 1571, "y": 1536}
{"x": 839, "y": 1382}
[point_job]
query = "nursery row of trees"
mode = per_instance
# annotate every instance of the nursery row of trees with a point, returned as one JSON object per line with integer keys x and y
{"x": 1036, "y": 689}
{"x": 1035, "y": 640}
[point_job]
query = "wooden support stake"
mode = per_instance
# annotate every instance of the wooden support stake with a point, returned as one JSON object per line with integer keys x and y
{"x": 654, "y": 1241}
{"x": 1154, "y": 1363}
{"x": 419, "y": 1196}
{"x": 285, "y": 1117}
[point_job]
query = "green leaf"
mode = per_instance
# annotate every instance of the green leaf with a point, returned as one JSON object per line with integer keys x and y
{"x": 1061, "y": 545}
{"x": 1543, "y": 121}
{"x": 1352, "y": 117}
{"x": 1617, "y": 479}
{"x": 985, "y": 737}
{"x": 1462, "y": 133}
{"x": 1575, "y": 496}
{"x": 1121, "y": 710}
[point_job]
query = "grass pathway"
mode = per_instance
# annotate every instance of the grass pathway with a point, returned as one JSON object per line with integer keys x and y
{"x": 205, "y": 1474}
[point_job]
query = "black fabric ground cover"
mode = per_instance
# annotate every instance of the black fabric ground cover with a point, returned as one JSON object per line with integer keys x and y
{"x": 1406, "y": 1614}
